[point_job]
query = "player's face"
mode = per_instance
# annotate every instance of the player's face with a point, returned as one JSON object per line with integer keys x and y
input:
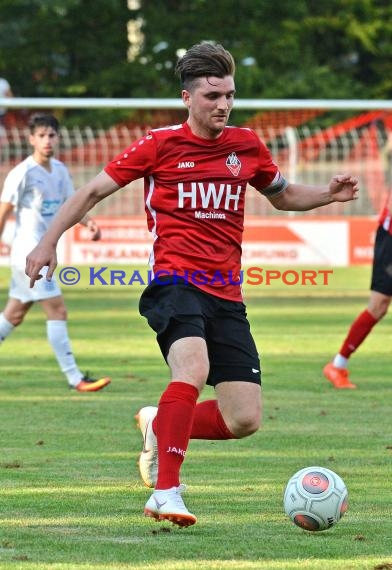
{"x": 209, "y": 104}
{"x": 44, "y": 141}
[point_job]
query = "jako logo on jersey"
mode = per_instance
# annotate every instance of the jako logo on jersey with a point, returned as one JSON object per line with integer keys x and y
{"x": 221, "y": 196}
{"x": 233, "y": 163}
{"x": 186, "y": 164}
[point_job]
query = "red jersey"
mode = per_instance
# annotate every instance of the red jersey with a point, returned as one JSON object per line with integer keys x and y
{"x": 194, "y": 199}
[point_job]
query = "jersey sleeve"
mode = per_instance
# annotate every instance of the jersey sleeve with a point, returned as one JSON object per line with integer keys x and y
{"x": 12, "y": 184}
{"x": 135, "y": 162}
{"x": 268, "y": 180}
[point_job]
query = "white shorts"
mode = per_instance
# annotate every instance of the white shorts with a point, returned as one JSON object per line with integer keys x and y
{"x": 20, "y": 286}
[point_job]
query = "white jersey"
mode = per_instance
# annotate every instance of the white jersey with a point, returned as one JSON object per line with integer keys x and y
{"x": 36, "y": 195}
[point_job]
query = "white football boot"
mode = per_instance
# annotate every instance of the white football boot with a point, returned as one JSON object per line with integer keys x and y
{"x": 167, "y": 505}
{"x": 148, "y": 460}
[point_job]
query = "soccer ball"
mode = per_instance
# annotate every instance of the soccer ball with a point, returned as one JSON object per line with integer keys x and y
{"x": 315, "y": 498}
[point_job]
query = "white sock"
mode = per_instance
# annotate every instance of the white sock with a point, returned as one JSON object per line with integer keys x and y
{"x": 6, "y": 327}
{"x": 57, "y": 332}
{"x": 340, "y": 361}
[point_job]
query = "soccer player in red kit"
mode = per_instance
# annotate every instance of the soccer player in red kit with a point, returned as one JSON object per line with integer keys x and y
{"x": 196, "y": 175}
{"x": 378, "y": 304}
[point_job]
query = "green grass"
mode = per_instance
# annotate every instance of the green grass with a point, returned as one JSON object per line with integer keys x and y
{"x": 70, "y": 495}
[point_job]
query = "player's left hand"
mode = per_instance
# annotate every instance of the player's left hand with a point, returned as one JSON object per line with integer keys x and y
{"x": 94, "y": 229}
{"x": 41, "y": 256}
{"x": 344, "y": 187}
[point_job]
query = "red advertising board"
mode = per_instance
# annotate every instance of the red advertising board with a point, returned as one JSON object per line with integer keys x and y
{"x": 361, "y": 240}
{"x": 274, "y": 241}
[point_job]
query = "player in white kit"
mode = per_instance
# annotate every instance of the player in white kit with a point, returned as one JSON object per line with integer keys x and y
{"x": 35, "y": 189}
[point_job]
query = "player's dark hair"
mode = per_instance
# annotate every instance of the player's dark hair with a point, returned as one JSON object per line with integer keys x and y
{"x": 205, "y": 59}
{"x": 43, "y": 120}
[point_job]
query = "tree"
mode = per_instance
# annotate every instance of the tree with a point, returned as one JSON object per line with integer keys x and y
{"x": 64, "y": 47}
{"x": 302, "y": 49}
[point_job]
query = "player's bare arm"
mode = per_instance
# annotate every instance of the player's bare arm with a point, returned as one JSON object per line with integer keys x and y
{"x": 72, "y": 212}
{"x": 5, "y": 211}
{"x": 301, "y": 197}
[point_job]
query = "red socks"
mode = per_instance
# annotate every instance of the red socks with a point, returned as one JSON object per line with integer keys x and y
{"x": 359, "y": 330}
{"x": 178, "y": 420}
{"x": 208, "y": 422}
{"x": 173, "y": 425}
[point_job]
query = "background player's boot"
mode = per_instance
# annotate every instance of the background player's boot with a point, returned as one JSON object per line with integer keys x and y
{"x": 339, "y": 377}
{"x": 88, "y": 384}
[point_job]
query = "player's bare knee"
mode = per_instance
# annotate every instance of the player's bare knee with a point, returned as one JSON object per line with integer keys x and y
{"x": 246, "y": 425}
{"x": 196, "y": 374}
{"x": 15, "y": 315}
{"x": 57, "y": 314}
{"x": 62, "y": 315}
{"x": 16, "y": 319}
{"x": 54, "y": 309}
{"x": 383, "y": 308}
{"x": 380, "y": 311}
{"x": 378, "y": 305}
{"x": 200, "y": 375}
{"x": 188, "y": 361}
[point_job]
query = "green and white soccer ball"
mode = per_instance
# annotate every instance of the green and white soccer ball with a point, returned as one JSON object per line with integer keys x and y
{"x": 315, "y": 498}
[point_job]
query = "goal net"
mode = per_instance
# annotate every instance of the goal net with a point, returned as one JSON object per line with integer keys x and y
{"x": 310, "y": 144}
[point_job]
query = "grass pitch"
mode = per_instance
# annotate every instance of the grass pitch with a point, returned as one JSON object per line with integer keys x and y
{"x": 71, "y": 498}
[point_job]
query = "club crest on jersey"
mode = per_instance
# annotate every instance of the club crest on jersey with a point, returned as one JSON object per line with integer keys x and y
{"x": 233, "y": 163}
